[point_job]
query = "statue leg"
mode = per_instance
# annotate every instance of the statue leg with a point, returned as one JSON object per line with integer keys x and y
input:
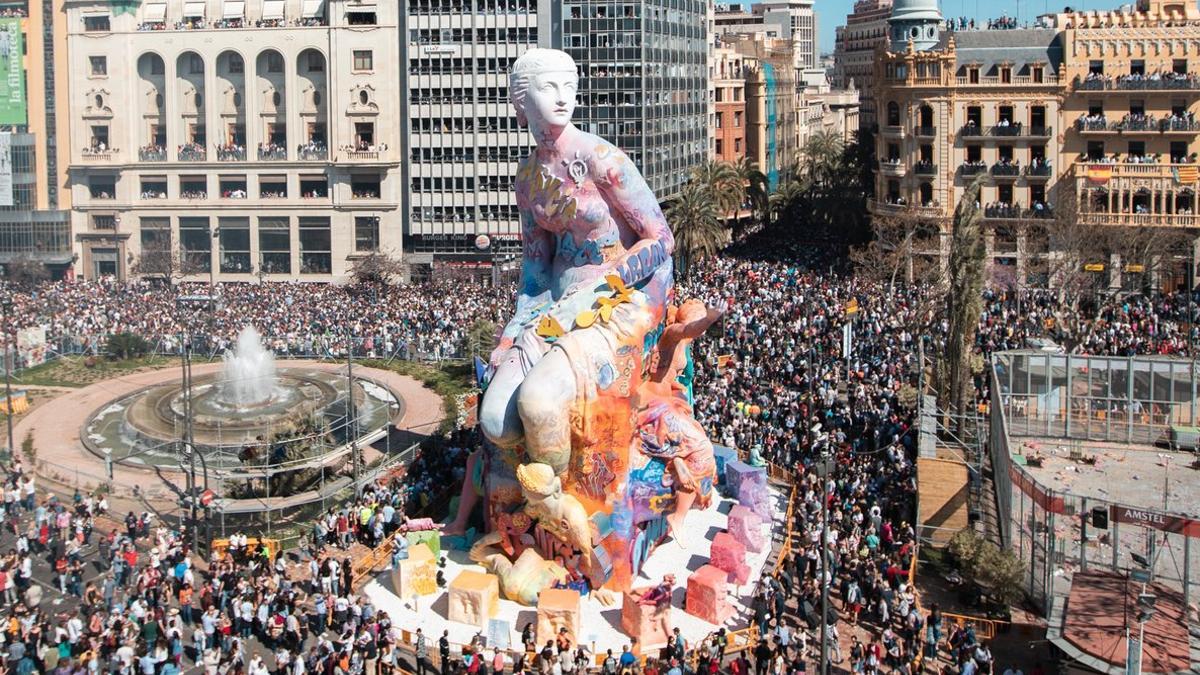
{"x": 498, "y": 418}
{"x": 685, "y": 496}
{"x": 467, "y": 498}
{"x": 544, "y": 403}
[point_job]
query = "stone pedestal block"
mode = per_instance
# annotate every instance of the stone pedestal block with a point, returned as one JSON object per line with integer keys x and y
{"x": 431, "y": 538}
{"x": 648, "y": 624}
{"x": 416, "y": 575}
{"x": 729, "y": 554}
{"x": 746, "y": 527}
{"x": 474, "y": 598}
{"x": 723, "y": 455}
{"x": 756, "y": 498}
{"x": 740, "y": 476}
{"x": 558, "y": 608}
{"x": 708, "y": 595}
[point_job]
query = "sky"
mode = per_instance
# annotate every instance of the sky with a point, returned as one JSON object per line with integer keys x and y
{"x": 832, "y": 13}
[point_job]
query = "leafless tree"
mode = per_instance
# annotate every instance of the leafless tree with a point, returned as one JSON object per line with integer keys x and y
{"x": 172, "y": 264}
{"x": 379, "y": 267}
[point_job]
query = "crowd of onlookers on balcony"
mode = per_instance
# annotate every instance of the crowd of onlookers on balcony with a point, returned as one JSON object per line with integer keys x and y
{"x": 1157, "y": 80}
{"x": 1002, "y": 23}
{"x": 272, "y": 151}
{"x": 200, "y": 23}
{"x": 312, "y": 150}
{"x": 1137, "y": 121}
{"x": 192, "y": 152}
{"x": 152, "y": 153}
{"x": 231, "y": 152}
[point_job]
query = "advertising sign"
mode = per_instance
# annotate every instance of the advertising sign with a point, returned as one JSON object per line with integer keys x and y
{"x": 6, "y": 174}
{"x": 1158, "y": 521}
{"x": 12, "y": 77}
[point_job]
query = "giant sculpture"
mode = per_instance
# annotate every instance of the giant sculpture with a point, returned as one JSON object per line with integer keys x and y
{"x": 593, "y": 454}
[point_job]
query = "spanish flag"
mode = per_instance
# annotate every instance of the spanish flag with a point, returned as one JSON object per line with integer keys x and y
{"x": 723, "y": 360}
{"x": 852, "y": 306}
{"x": 1185, "y": 175}
{"x": 1099, "y": 173}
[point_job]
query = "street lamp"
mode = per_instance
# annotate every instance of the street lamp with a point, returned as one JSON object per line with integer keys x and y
{"x": 823, "y": 468}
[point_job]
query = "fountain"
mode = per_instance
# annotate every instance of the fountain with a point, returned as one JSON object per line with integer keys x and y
{"x": 250, "y": 412}
{"x": 248, "y": 376}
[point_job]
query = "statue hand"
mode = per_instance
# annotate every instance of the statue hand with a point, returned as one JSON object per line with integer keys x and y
{"x": 498, "y": 353}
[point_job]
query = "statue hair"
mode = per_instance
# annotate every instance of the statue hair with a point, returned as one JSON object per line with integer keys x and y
{"x": 534, "y": 61}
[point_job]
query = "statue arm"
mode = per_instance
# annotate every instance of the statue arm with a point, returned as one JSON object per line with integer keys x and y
{"x": 626, "y": 192}
{"x": 537, "y": 251}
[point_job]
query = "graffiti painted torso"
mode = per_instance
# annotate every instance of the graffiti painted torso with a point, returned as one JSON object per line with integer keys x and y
{"x": 563, "y": 194}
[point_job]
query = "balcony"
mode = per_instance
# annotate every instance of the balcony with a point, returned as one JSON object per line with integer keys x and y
{"x": 272, "y": 153}
{"x": 971, "y": 130}
{"x": 192, "y": 152}
{"x": 1016, "y": 212}
{"x": 883, "y": 208}
{"x": 313, "y": 153}
{"x": 1040, "y": 171}
{"x": 371, "y": 155}
{"x": 925, "y": 169}
{"x": 231, "y": 153}
{"x": 892, "y": 131}
{"x": 152, "y": 153}
{"x": 1006, "y": 171}
{"x": 1039, "y": 132}
{"x": 106, "y": 155}
{"x": 1169, "y": 82}
{"x": 970, "y": 169}
{"x": 1141, "y": 219}
{"x": 891, "y": 167}
{"x": 925, "y": 132}
{"x": 1047, "y": 80}
{"x": 1007, "y": 130}
{"x": 1102, "y": 171}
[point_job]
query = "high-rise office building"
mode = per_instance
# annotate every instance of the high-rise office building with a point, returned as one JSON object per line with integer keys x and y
{"x": 643, "y": 81}
{"x": 34, "y": 224}
{"x": 854, "y": 53}
{"x": 461, "y": 138}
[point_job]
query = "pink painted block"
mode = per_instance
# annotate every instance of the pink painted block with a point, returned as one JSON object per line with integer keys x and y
{"x": 756, "y": 498}
{"x": 746, "y": 527}
{"x": 648, "y": 624}
{"x": 729, "y": 554}
{"x": 708, "y": 595}
{"x": 740, "y": 476}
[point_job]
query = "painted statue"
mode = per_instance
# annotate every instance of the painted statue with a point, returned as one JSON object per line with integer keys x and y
{"x": 593, "y": 452}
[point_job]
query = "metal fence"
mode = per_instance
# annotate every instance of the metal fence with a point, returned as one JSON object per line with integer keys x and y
{"x": 1077, "y": 402}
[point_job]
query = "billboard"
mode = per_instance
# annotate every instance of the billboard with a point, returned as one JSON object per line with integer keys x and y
{"x": 6, "y": 176}
{"x": 12, "y": 72}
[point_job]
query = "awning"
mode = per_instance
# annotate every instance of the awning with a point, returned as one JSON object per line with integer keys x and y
{"x": 193, "y": 9}
{"x": 155, "y": 11}
{"x": 272, "y": 9}
{"x": 313, "y": 9}
{"x": 235, "y": 9}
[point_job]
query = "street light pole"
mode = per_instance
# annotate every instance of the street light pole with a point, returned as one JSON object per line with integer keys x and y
{"x": 9, "y": 362}
{"x": 351, "y": 413}
{"x": 188, "y": 436}
{"x": 824, "y": 563}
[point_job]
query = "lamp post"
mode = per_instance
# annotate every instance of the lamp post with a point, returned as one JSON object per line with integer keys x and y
{"x": 9, "y": 362}
{"x": 352, "y": 413}
{"x": 823, "y": 468}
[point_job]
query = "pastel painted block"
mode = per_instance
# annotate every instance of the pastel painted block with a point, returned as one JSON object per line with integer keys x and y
{"x": 723, "y": 455}
{"x": 756, "y": 498}
{"x": 739, "y": 475}
{"x": 729, "y": 554}
{"x": 558, "y": 608}
{"x": 416, "y": 575}
{"x": 746, "y": 526}
{"x": 431, "y": 538}
{"x": 474, "y": 598}
{"x": 708, "y": 595}
{"x": 648, "y": 624}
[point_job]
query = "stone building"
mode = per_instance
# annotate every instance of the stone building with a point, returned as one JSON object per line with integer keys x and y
{"x": 854, "y": 52}
{"x": 234, "y": 140}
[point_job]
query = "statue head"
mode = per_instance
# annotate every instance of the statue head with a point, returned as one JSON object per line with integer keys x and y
{"x": 542, "y": 85}
{"x": 538, "y": 481}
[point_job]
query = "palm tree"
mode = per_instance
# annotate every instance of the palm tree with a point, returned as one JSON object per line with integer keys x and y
{"x": 754, "y": 183}
{"x": 822, "y": 153}
{"x": 696, "y": 224}
{"x": 724, "y": 185}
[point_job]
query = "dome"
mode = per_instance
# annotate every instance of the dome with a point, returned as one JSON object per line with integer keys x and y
{"x": 916, "y": 10}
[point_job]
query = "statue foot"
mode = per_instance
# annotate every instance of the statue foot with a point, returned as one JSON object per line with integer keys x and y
{"x": 675, "y": 526}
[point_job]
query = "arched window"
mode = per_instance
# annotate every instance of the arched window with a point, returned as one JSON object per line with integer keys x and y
{"x": 893, "y": 114}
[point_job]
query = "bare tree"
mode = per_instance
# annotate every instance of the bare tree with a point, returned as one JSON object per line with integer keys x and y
{"x": 378, "y": 267}
{"x": 1072, "y": 241}
{"x": 25, "y": 271}
{"x": 172, "y": 264}
{"x": 890, "y": 250}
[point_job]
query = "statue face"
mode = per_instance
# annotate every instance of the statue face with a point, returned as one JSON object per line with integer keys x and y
{"x": 551, "y": 99}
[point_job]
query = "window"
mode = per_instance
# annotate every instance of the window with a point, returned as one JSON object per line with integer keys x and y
{"x": 99, "y": 142}
{"x": 1179, "y": 151}
{"x": 314, "y": 187}
{"x": 236, "y": 65}
{"x": 1039, "y": 74}
{"x": 1137, "y": 107}
{"x": 366, "y": 233}
{"x": 195, "y": 240}
{"x": 1096, "y": 67}
{"x": 154, "y": 187}
{"x": 1137, "y": 67}
{"x": 155, "y": 234}
{"x": 275, "y": 244}
{"x": 357, "y": 18}
{"x": 234, "y": 234}
{"x": 1005, "y": 192}
{"x": 737, "y": 118}
{"x": 193, "y": 187}
{"x": 233, "y": 187}
{"x": 974, "y": 153}
{"x": 272, "y": 187}
{"x": 1137, "y": 148}
{"x": 1179, "y": 66}
{"x": 363, "y": 60}
{"x": 364, "y": 186}
{"x": 316, "y": 62}
{"x": 364, "y": 134}
{"x": 274, "y": 62}
{"x": 1095, "y": 150}
{"x": 157, "y": 67}
{"x": 893, "y": 114}
{"x": 102, "y": 187}
{"x": 973, "y": 75}
{"x": 98, "y": 65}
{"x": 720, "y": 145}
{"x": 94, "y": 24}
{"x": 1006, "y": 75}
{"x": 195, "y": 64}
{"x": 315, "y": 256}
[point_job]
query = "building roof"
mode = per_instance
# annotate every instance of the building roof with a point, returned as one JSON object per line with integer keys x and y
{"x": 908, "y": 10}
{"x": 1020, "y": 48}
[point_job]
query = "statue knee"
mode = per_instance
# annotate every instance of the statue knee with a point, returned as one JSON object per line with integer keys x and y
{"x": 498, "y": 419}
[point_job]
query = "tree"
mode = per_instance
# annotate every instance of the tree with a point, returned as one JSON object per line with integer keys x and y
{"x": 890, "y": 250}
{"x": 24, "y": 271}
{"x": 481, "y": 338}
{"x": 724, "y": 185}
{"x": 755, "y": 188}
{"x": 964, "y": 295}
{"x": 823, "y": 192}
{"x": 998, "y": 571}
{"x": 169, "y": 263}
{"x": 377, "y": 268}
{"x": 697, "y": 227}
{"x": 121, "y": 346}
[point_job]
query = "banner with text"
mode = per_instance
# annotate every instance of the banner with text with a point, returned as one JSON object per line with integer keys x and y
{"x": 12, "y": 77}
{"x": 6, "y": 173}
